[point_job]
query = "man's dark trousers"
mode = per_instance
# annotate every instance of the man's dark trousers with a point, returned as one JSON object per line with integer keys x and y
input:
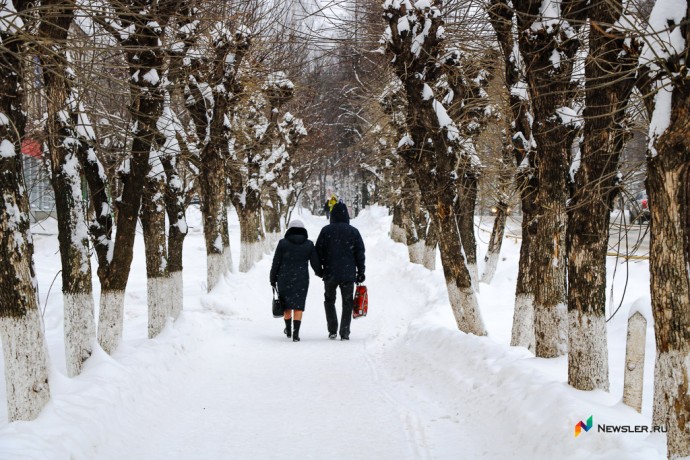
{"x": 347, "y": 289}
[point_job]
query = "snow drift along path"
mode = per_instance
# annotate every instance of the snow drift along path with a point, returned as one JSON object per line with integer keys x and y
{"x": 223, "y": 381}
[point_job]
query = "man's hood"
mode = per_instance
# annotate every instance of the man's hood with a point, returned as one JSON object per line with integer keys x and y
{"x": 339, "y": 214}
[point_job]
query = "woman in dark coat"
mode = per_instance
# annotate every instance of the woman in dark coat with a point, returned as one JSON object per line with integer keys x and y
{"x": 290, "y": 272}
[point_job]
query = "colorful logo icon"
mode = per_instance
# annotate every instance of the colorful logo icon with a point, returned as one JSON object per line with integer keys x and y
{"x": 581, "y": 426}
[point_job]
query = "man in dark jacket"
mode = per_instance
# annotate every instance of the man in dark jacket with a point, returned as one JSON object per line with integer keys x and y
{"x": 341, "y": 253}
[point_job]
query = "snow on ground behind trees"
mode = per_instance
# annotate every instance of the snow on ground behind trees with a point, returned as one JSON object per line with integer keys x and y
{"x": 224, "y": 382}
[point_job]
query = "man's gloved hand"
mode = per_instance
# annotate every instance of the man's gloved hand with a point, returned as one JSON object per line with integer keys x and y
{"x": 360, "y": 278}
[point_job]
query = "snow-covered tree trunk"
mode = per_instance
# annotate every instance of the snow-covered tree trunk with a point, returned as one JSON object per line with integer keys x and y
{"x": 398, "y": 224}
{"x": 251, "y": 237}
{"x": 610, "y": 78}
{"x": 414, "y": 220}
{"x": 430, "y": 245}
{"x": 460, "y": 290}
{"x": 21, "y": 328}
{"x": 158, "y": 281}
{"x": 177, "y": 231}
{"x": 211, "y": 94}
{"x": 67, "y": 133}
{"x": 414, "y": 41}
{"x": 668, "y": 186}
{"x": 468, "y": 202}
{"x": 493, "y": 252}
{"x": 139, "y": 30}
{"x": 170, "y": 127}
{"x": 505, "y": 182}
{"x": 501, "y": 15}
{"x": 273, "y": 212}
{"x": 548, "y": 42}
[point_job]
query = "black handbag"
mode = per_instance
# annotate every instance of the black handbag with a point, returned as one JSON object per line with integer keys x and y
{"x": 277, "y": 304}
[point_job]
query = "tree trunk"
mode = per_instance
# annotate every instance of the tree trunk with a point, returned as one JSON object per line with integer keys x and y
{"x": 398, "y": 224}
{"x": 547, "y": 246}
{"x": 252, "y": 237}
{"x": 462, "y": 298}
{"x": 495, "y": 242}
{"x": 501, "y": 15}
{"x": 212, "y": 184}
{"x": 505, "y": 181}
{"x": 209, "y": 119}
{"x": 414, "y": 220}
{"x": 21, "y": 329}
{"x": 64, "y": 142}
{"x": 272, "y": 215}
{"x": 668, "y": 179}
{"x": 548, "y": 47}
{"x": 609, "y": 72}
{"x": 157, "y": 277}
{"x": 177, "y": 231}
{"x": 468, "y": 203}
{"x": 430, "y": 245}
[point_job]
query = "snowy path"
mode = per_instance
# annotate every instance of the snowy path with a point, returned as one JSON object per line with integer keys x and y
{"x": 223, "y": 382}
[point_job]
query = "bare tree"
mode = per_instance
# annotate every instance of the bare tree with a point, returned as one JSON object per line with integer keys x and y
{"x": 21, "y": 328}
{"x": 502, "y": 19}
{"x": 610, "y": 73}
{"x": 433, "y": 146}
{"x": 68, "y": 137}
{"x": 664, "y": 59}
{"x": 211, "y": 91}
{"x": 548, "y": 40}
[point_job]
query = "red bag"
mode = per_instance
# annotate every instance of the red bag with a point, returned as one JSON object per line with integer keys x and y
{"x": 361, "y": 303}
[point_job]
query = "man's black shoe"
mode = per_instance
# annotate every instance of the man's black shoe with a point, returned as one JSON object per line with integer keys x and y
{"x": 332, "y": 336}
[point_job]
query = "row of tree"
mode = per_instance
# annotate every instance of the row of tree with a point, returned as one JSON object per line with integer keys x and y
{"x": 575, "y": 77}
{"x": 534, "y": 102}
{"x": 155, "y": 103}
{"x": 142, "y": 107}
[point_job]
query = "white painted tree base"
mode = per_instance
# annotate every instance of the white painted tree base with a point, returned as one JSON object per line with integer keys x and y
{"x": 227, "y": 255}
{"x": 271, "y": 240}
{"x": 466, "y": 310}
{"x": 398, "y": 234}
{"x": 490, "y": 265}
{"x": 551, "y": 330}
{"x": 429, "y": 258}
{"x": 474, "y": 276}
{"x": 158, "y": 296}
{"x": 416, "y": 251}
{"x": 523, "y": 323}
{"x": 80, "y": 330}
{"x": 588, "y": 359}
{"x": 672, "y": 372}
{"x": 250, "y": 254}
{"x": 110, "y": 319}
{"x": 177, "y": 294}
{"x": 216, "y": 267}
{"x": 26, "y": 370}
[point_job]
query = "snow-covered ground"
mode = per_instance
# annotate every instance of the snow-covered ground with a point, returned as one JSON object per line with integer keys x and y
{"x": 223, "y": 382}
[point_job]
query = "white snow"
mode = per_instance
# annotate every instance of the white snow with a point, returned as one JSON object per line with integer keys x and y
{"x": 664, "y": 36}
{"x": 10, "y": 21}
{"x": 151, "y": 77}
{"x": 7, "y": 149}
{"x": 661, "y": 116}
{"x": 223, "y": 382}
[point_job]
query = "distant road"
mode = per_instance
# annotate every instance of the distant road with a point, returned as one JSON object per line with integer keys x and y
{"x": 625, "y": 239}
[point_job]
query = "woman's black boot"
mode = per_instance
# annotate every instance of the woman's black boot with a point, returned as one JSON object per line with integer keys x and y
{"x": 288, "y": 328}
{"x": 295, "y": 335}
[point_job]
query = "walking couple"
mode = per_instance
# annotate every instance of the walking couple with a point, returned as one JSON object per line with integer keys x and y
{"x": 337, "y": 257}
